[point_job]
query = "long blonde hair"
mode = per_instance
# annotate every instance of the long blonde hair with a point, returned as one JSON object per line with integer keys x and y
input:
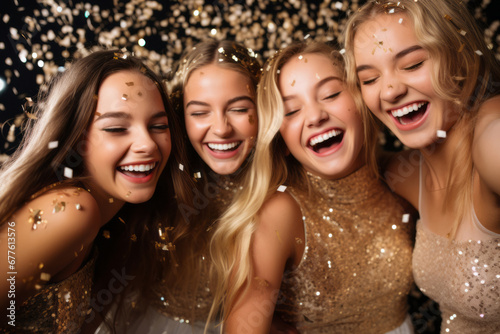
{"x": 464, "y": 72}
{"x": 271, "y": 167}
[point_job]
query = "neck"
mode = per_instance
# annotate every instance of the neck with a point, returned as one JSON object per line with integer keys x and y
{"x": 438, "y": 157}
{"x": 108, "y": 206}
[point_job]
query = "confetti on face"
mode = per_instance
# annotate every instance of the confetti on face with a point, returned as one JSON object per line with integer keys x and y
{"x": 299, "y": 241}
{"x": 125, "y": 97}
{"x": 78, "y": 206}
{"x": 441, "y": 134}
{"x": 250, "y": 119}
{"x": 128, "y": 193}
{"x": 405, "y": 218}
{"x": 131, "y": 83}
{"x": 278, "y": 235}
{"x": 293, "y": 83}
{"x": 400, "y": 20}
{"x": 300, "y": 57}
{"x": 35, "y": 218}
{"x": 53, "y": 144}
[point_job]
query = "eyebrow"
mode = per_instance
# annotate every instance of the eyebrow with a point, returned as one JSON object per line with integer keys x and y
{"x": 233, "y": 100}
{"x": 397, "y": 56}
{"x": 318, "y": 84}
{"x": 124, "y": 115}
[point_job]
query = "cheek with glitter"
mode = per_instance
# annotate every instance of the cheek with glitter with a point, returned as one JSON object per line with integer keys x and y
{"x": 250, "y": 119}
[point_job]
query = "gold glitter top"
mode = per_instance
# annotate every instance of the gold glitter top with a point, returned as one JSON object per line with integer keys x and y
{"x": 355, "y": 274}
{"x": 57, "y": 308}
{"x": 463, "y": 277}
{"x": 194, "y": 304}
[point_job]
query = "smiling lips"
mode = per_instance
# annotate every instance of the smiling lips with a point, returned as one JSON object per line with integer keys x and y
{"x": 325, "y": 141}
{"x": 139, "y": 172}
{"x": 224, "y": 147}
{"x": 409, "y": 114}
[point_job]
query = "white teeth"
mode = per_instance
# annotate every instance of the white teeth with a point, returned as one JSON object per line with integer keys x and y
{"x": 325, "y": 136}
{"x": 222, "y": 147}
{"x": 406, "y": 110}
{"x": 138, "y": 168}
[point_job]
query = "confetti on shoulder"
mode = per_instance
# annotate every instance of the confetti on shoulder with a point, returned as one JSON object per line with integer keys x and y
{"x": 281, "y": 188}
{"x": 406, "y": 218}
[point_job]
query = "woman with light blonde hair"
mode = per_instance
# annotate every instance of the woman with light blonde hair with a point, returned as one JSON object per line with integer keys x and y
{"x": 424, "y": 70}
{"x": 343, "y": 265}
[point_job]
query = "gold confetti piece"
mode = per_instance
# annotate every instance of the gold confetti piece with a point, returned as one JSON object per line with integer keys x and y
{"x": 181, "y": 166}
{"x": 31, "y": 116}
{"x": 281, "y": 188}
{"x": 68, "y": 172}
{"x": 67, "y": 296}
{"x": 448, "y": 17}
{"x": 133, "y": 304}
{"x": 121, "y": 219}
{"x": 441, "y": 134}
{"x": 299, "y": 241}
{"x": 128, "y": 194}
{"x": 221, "y": 49}
{"x": 38, "y": 286}
{"x": 250, "y": 119}
{"x": 278, "y": 235}
{"x": 293, "y": 83}
{"x": 234, "y": 58}
{"x": 478, "y": 52}
{"x": 131, "y": 83}
{"x": 463, "y": 32}
{"x": 53, "y": 144}
{"x": 76, "y": 254}
{"x": 317, "y": 76}
{"x": 36, "y": 218}
{"x": 405, "y": 218}
{"x": 125, "y": 97}
{"x": 95, "y": 97}
{"x": 45, "y": 277}
{"x": 461, "y": 47}
{"x": 400, "y": 20}
{"x": 78, "y": 206}
{"x": 133, "y": 237}
{"x": 106, "y": 234}
{"x": 373, "y": 51}
{"x": 139, "y": 93}
{"x": 111, "y": 200}
{"x": 262, "y": 282}
{"x": 197, "y": 175}
{"x": 59, "y": 206}
{"x": 305, "y": 60}
{"x": 40, "y": 265}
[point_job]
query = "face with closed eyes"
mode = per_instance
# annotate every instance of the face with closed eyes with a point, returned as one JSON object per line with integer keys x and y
{"x": 394, "y": 71}
{"x": 321, "y": 127}
{"x": 128, "y": 142}
{"x": 220, "y": 116}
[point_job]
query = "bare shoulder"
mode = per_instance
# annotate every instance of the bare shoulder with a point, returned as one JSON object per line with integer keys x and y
{"x": 402, "y": 175}
{"x": 280, "y": 210}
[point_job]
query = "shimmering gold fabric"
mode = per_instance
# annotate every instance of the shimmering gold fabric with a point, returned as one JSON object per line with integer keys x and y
{"x": 195, "y": 304}
{"x": 356, "y": 271}
{"x": 57, "y": 308}
{"x": 463, "y": 277}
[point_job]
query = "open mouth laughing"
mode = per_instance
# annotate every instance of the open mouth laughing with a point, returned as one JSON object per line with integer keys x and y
{"x": 325, "y": 141}
{"x": 137, "y": 170}
{"x": 410, "y": 113}
{"x": 226, "y": 147}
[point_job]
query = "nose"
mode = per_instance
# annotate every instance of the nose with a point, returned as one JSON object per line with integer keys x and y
{"x": 316, "y": 115}
{"x": 221, "y": 125}
{"x": 143, "y": 143}
{"x": 392, "y": 89}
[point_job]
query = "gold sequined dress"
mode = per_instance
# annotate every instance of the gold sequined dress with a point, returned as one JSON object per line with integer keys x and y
{"x": 355, "y": 274}
{"x": 59, "y": 307}
{"x": 461, "y": 275}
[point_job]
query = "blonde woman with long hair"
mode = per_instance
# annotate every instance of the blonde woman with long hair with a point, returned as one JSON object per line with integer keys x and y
{"x": 96, "y": 147}
{"x": 345, "y": 266}
{"x": 214, "y": 94}
{"x": 424, "y": 71}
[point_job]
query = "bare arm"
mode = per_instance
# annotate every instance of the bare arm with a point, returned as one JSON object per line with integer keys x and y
{"x": 273, "y": 247}
{"x": 53, "y": 250}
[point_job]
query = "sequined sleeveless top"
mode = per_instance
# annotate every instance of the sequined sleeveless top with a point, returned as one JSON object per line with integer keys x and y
{"x": 462, "y": 276}
{"x": 57, "y": 308}
{"x": 194, "y": 305}
{"x": 355, "y": 274}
